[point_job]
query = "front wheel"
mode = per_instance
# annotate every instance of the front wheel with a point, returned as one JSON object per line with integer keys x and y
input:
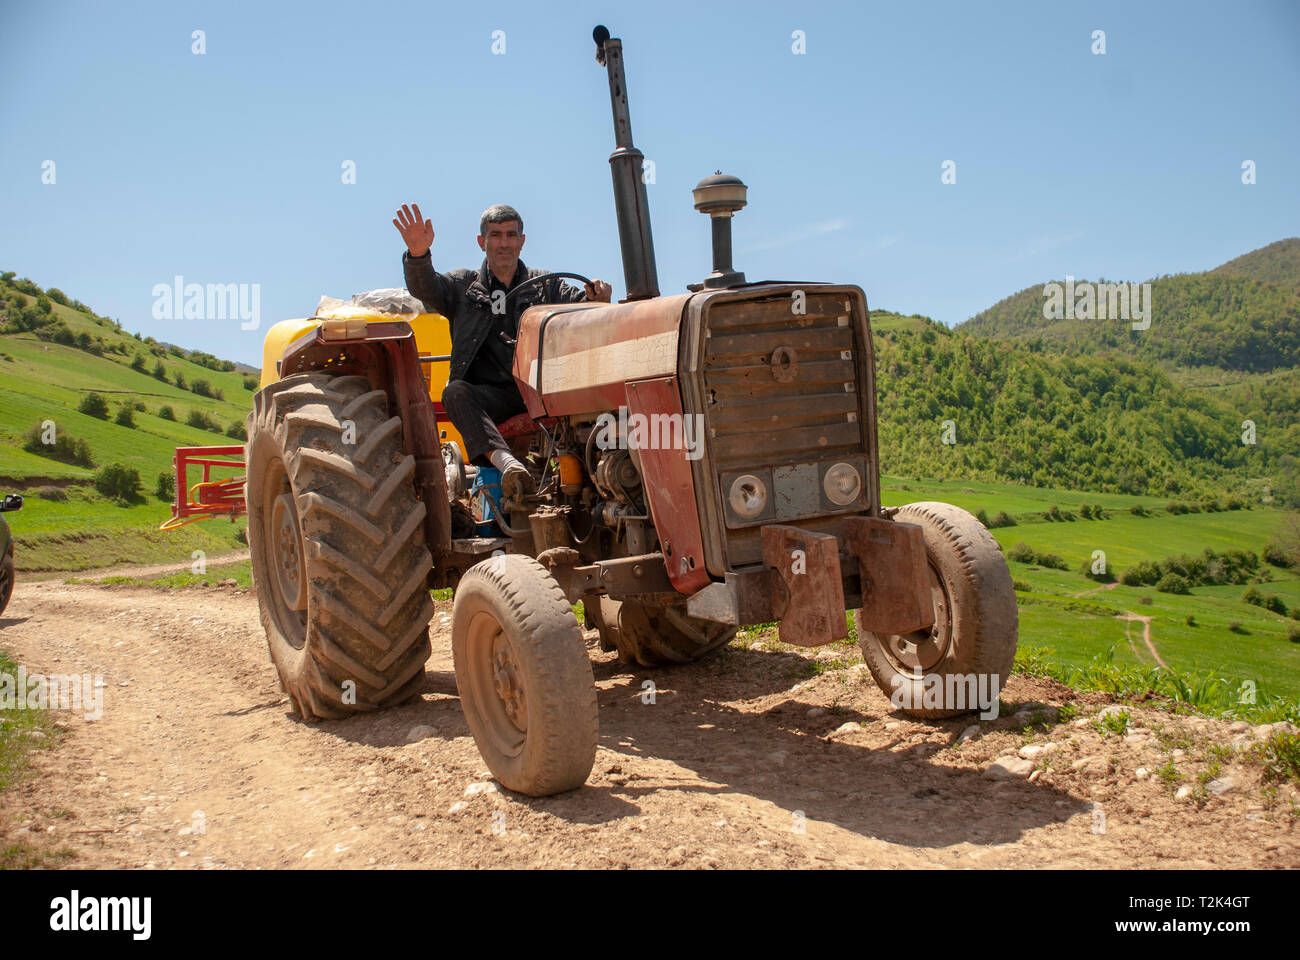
{"x": 524, "y": 678}
{"x": 960, "y": 663}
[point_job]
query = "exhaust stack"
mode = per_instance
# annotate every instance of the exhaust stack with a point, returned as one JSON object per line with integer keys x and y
{"x": 630, "y": 202}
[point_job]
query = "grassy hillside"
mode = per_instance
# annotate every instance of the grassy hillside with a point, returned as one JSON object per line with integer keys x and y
{"x": 1075, "y": 618}
{"x": 54, "y": 353}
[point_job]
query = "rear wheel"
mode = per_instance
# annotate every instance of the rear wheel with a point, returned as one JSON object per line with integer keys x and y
{"x": 976, "y": 622}
{"x": 657, "y": 636}
{"x": 336, "y": 537}
{"x": 524, "y": 677}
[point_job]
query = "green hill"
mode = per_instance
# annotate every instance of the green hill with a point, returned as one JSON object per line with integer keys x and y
{"x": 1197, "y": 320}
{"x": 54, "y": 353}
{"x": 1278, "y": 263}
{"x": 1021, "y": 415}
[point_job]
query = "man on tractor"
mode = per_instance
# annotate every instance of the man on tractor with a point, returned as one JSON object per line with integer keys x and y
{"x": 481, "y": 390}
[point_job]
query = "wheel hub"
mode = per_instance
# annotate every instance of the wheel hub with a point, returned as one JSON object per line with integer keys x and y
{"x": 921, "y": 650}
{"x": 286, "y": 552}
{"x": 509, "y": 689}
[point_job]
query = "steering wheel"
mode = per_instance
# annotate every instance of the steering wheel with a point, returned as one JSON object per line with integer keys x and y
{"x": 542, "y": 278}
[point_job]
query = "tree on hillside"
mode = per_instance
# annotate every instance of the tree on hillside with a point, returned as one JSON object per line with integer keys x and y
{"x": 159, "y": 371}
{"x": 138, "y": 363}
{"x": 58, "y": 296}
{"x": 93, "y": 405}
{"x": 125, "y": 416}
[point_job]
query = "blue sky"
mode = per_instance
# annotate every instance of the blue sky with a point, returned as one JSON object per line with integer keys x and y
{"x": 226, "y": 167}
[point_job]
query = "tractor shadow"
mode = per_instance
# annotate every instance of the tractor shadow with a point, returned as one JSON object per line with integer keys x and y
{"x": 880, "y": 784}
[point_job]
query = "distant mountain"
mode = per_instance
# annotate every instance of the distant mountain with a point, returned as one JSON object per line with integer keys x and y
{"x": 1244, "y": 316}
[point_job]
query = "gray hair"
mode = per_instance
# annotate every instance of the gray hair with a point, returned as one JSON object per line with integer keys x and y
{"x": 498, "y": 213}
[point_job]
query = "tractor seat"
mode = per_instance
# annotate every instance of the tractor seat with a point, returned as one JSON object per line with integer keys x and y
{"x": 522, "y": 425}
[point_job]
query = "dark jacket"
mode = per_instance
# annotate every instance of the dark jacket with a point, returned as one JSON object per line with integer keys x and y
{"x": 464, "y": 298}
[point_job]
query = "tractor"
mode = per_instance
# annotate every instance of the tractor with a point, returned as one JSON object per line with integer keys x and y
{"x": 704, "y": 461}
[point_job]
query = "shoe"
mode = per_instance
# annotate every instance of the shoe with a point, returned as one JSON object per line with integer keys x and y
{"x": 517, "y": 482}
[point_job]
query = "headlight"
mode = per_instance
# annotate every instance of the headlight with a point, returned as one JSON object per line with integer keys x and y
{"x": 748, "y": 496}
{"x": 842, "y": 484}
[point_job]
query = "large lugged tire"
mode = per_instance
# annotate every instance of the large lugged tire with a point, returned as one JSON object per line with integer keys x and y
{"x": 336, "y": 536}
{"x": 525, "y": 681}
{"x": 658, "y": 636}
{"x": 976, "y": 623}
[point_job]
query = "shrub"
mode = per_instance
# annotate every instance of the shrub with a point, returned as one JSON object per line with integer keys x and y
{"x": 1054, "y": 513}
{"x": 125, "y": 416}
{"x": 236, "y": 431}
{"x": 1021, "y": 553}
{"x": 1172, "y": 583}
{"x": 1236, "y": 627}
{"x": 1191, "y": 621}
{"x": 159, "y": 371}
{"x": 1020, "y": 586}
{"x": 202, "y": 388}
{"x": 119, "y": 481}
{"x": 1141, "y": 574}
{"x": 982, "y": 517}
{"x": 251, "y": 383}
{"x": 1176, "y": 508}
{"x": 166, "y": 488}
{"x": 1085, "y": 511}
{"x": 1003, "y": 519}
{"x": 1086, "y": 569}
{"x": 52, "y": 493}
{"x": 58, "y": 296}
{"x": 64, "y": 448}
{"x": 166, "y": 413}
{"x": 1233, "y": 503}
{"x": 1145, "y": 600}
{"x": 180, "y": 379}
{"x": 1274, "y": 554}
{"x": 1138, "y": 510}
{"x": 1293, "y": 634}
{"x": 138, "y": 363}
{"x": 202, "y": 421}
{"x": 1053, "y": 561}
{"x": 93, "y": 405}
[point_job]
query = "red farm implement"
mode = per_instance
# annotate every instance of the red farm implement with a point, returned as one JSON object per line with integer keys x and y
{"x": 209, "y": 497}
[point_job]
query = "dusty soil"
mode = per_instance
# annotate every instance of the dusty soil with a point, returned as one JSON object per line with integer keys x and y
{"x": 742, "y": 760}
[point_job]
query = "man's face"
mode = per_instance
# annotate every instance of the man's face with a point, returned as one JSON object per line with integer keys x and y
{"x": 502, "y": 244}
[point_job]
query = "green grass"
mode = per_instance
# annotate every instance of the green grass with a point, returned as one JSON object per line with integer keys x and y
{"x": 21, "y": 731}
{"x": 241, "y": 573}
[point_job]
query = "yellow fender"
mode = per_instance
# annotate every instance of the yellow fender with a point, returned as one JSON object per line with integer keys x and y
{"x": 432, "y": 338}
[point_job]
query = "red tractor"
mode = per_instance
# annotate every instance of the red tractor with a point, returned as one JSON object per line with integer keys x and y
{"x": 703, "y": 461}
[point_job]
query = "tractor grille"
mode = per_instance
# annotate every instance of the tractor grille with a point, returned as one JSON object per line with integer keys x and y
{"x": 783, "y": 402}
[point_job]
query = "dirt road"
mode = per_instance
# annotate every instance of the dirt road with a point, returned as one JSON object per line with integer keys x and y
{"x": 737, "y": 762}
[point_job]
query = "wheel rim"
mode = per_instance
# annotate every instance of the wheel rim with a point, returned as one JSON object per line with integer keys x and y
{"x": 497, "y": 684}
{"x": 920, "y": 650}
{"x": 282, "y": 543}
